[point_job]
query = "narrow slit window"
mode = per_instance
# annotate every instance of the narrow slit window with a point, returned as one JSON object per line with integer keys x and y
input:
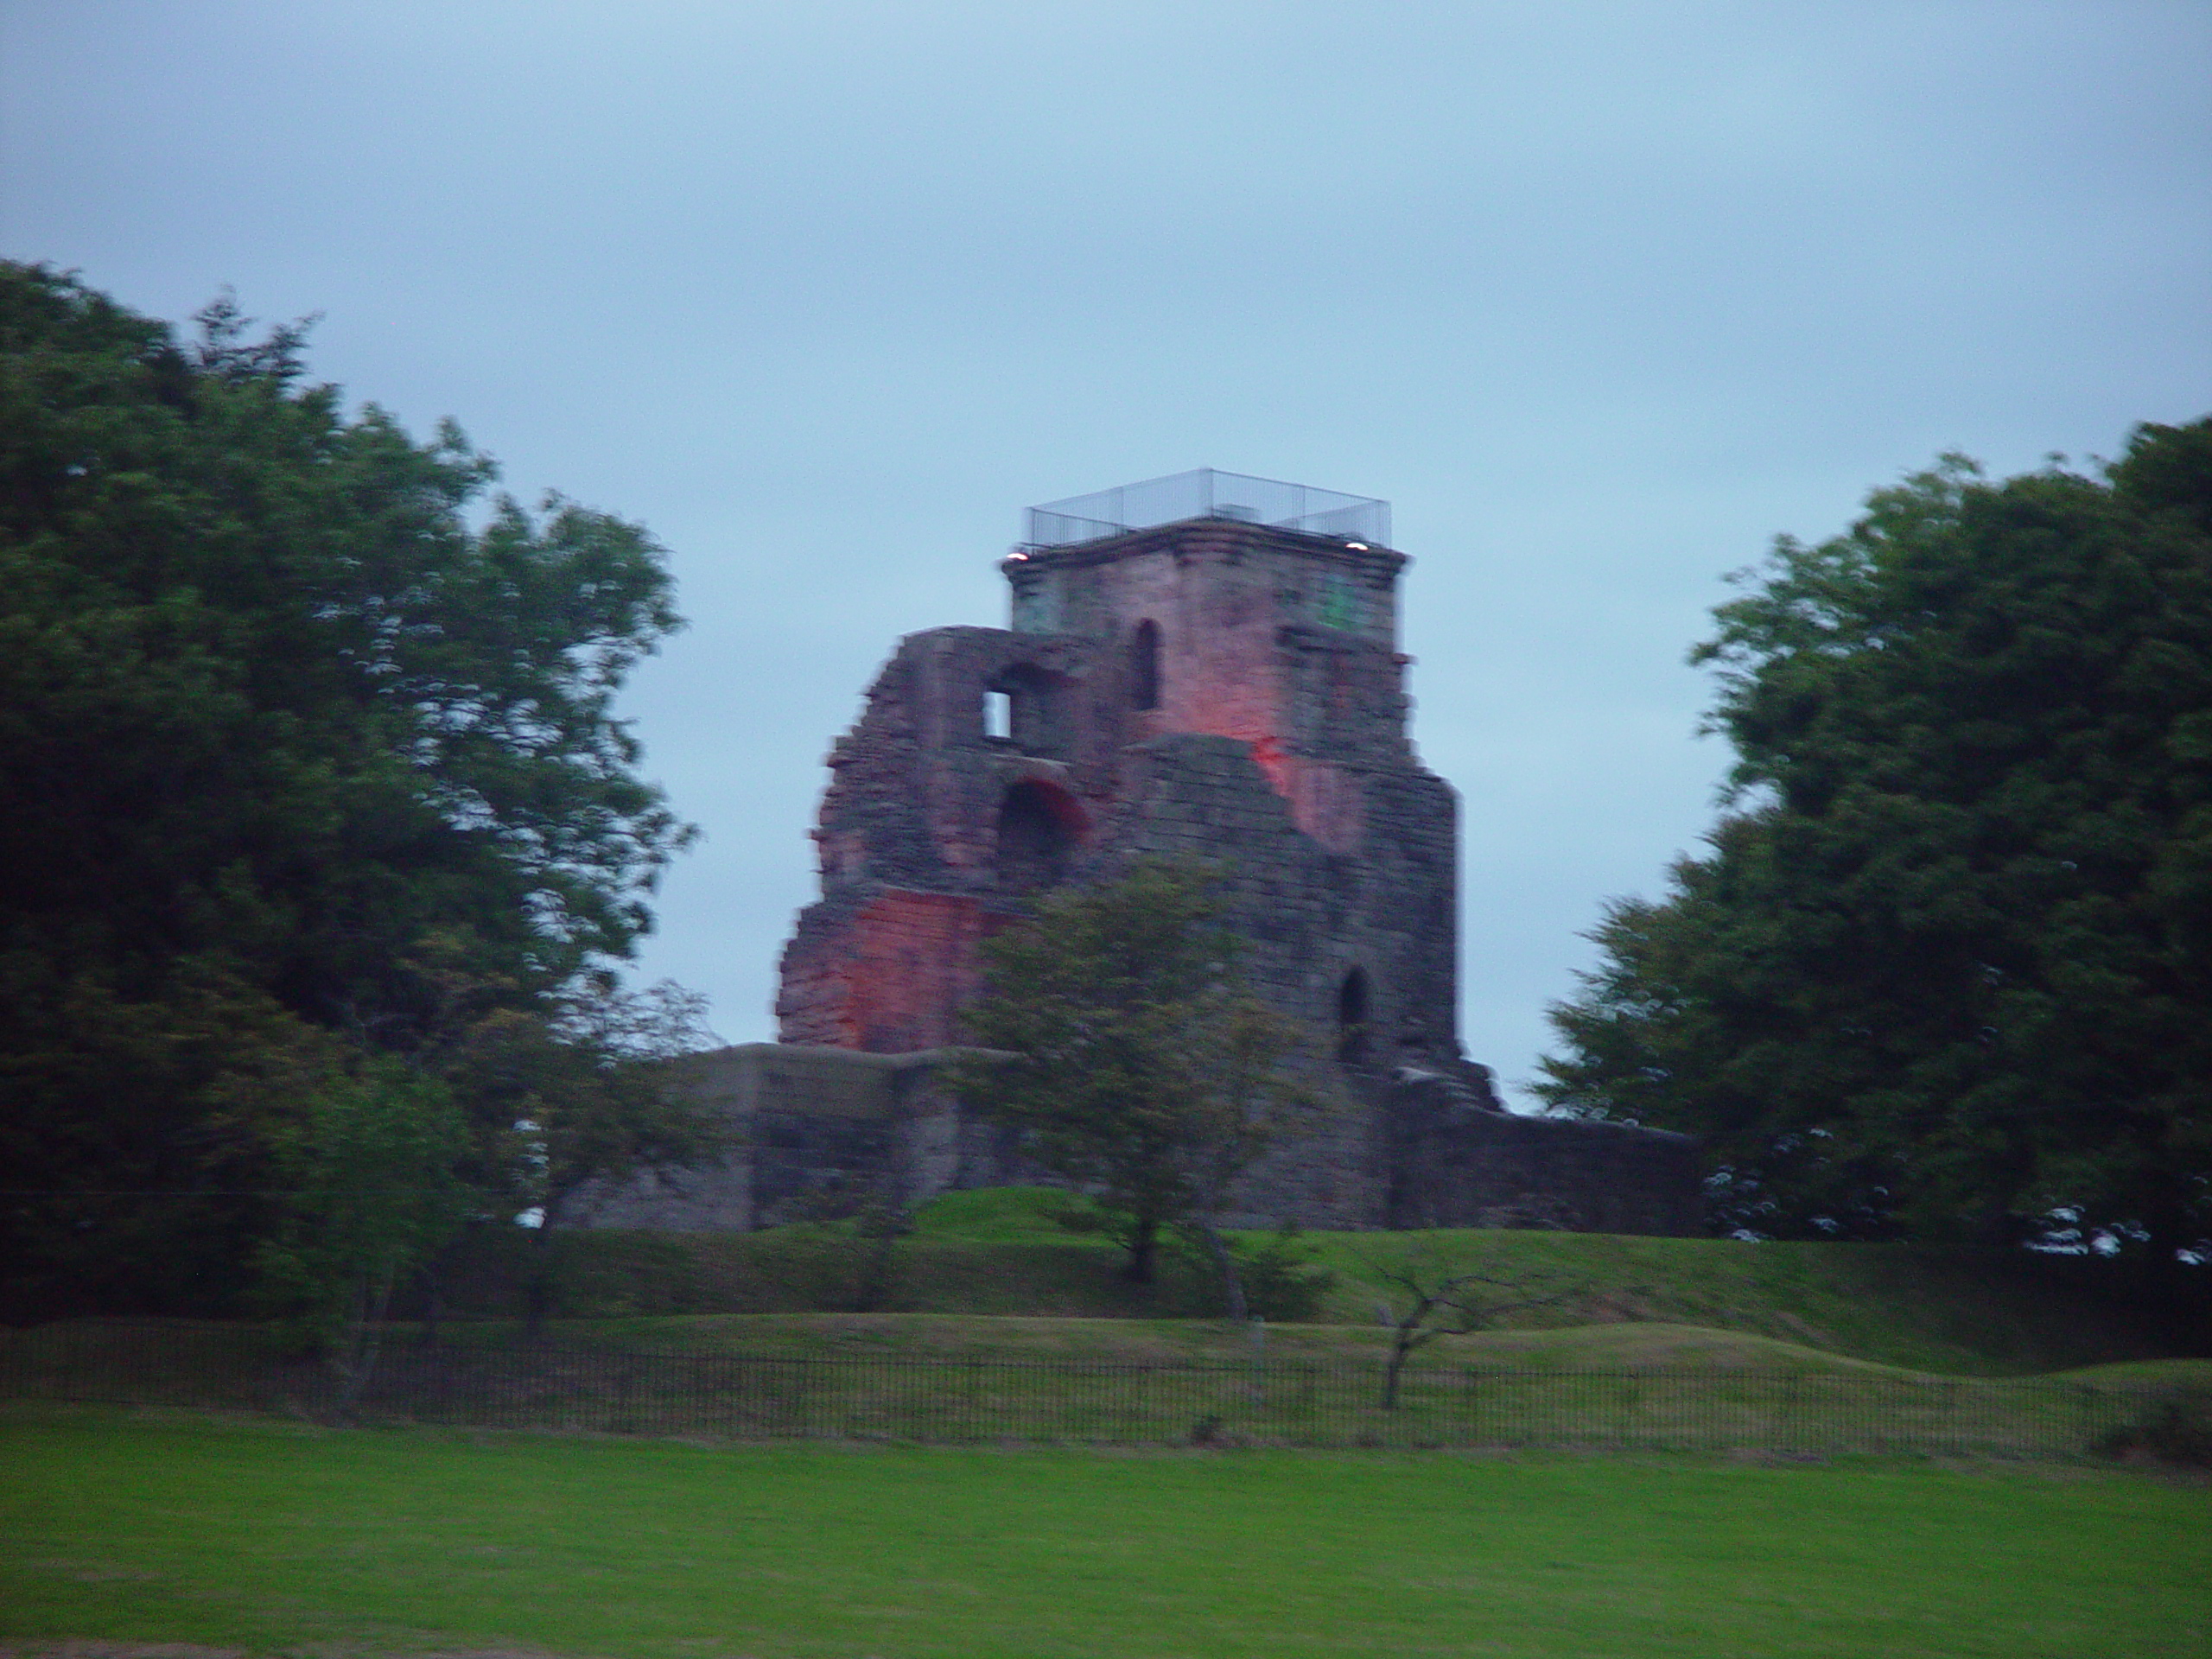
{"x": 1144, "y": 666}
{"x": 1351, "y": 1018}
{"x": 998, "y": 713}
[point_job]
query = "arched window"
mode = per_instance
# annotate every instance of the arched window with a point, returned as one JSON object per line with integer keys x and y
{"x": 1144, "y": 666}
{"x": 1351, "y": 1017}
{"x": 1038, "y": 826}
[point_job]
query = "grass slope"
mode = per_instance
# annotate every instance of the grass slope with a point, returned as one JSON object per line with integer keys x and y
{"x": 1598, "y": 1347}
{"x": 1001, "y": 1254}
{"x": 1966, "y": 1312}
{"x": 1925, "y": 1309}
{"x": 91, "y": 1349}
{"x": 275, "y": 1538}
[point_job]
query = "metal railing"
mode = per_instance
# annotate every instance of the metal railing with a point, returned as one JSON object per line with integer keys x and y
{"x": 1207, "y": 493}
{"x": 1286, "y": 1402}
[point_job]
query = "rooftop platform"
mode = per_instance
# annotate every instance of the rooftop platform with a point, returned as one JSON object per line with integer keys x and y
{"x": 1207, "y": 493}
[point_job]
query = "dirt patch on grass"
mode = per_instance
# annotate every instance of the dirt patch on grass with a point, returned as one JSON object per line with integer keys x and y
{"x": 93, "y": 1572}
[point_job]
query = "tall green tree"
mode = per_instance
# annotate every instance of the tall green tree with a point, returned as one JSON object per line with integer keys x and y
{"x": 1945, "y": 968}
{"x": 1140, "y": 1066}
{"x": 282, "y": 694}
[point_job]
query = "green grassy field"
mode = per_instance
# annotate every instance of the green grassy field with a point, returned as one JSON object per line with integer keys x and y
{"x": 122, "y": 1528}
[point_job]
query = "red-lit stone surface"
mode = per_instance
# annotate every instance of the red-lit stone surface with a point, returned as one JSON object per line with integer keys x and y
{"x": 907, "y": 961}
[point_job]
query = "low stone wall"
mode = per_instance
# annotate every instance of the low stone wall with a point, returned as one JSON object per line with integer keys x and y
{"x": 812, "y": 1130}
{"x": 815, "y": 1132}
{"x": 1454, "y": 1164}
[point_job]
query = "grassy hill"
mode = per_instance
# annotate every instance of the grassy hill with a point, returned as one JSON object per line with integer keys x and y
{"x": 1978, "y": 1313}
{"x": 996, "y": 1272}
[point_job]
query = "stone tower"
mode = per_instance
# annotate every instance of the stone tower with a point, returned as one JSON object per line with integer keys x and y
{"x": 1212, "y": 685}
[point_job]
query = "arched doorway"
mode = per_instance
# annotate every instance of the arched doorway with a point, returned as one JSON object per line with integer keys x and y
{"x": 1038, "y": 829}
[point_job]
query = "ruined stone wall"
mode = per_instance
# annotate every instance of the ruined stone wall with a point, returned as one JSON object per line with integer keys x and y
{"x": 908, "y": 841}
{"x": 810, "y": 1132}
{"x": 1456, "y": 1164}
{"x": 815, "y": 1132}
{"x": 1281, "y": 645}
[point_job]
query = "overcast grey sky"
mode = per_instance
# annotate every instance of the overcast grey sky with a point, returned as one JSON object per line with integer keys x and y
{"x": 1600, "y": 297}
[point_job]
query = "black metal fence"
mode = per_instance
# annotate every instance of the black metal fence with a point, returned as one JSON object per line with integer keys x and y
{"x": 953, "y": 1401}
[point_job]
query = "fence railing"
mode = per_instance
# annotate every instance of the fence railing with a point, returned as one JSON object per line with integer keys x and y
{"x": 1284, "y": 1402}
{"x": 1208, "y": 493}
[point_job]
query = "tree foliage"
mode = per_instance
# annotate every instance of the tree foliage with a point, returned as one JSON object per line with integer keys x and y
{"x": 1141, "y": 1069}
{"x": 1945, "y": 968}
{"x": 275, "y": 708}
{"x": 370, "y": 1154}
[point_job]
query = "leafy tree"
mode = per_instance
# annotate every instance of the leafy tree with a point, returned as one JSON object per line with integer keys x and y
{"x": 273, "y": 710}
{"x": 370, "y": 1151}
{"x": 1141, "y": 1068}
{"x": 578, "y": 1096}
{"x": 1946, "y": 966}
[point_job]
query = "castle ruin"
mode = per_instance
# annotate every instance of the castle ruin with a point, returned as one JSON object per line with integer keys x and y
{"x": 1204, "y": 665}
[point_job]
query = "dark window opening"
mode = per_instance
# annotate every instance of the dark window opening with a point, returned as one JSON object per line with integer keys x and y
{"x": 1351, "y": 1018}
{"x": 1032, "y": 709}
{"x": 1144, "y": 666}
{"x": 1038, "y": 826}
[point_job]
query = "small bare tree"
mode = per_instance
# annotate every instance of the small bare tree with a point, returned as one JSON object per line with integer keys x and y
{"x": 1252, "y": 1100}
{"x": 1431, "y": 1297}
{"x": 865, "y": 1222}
